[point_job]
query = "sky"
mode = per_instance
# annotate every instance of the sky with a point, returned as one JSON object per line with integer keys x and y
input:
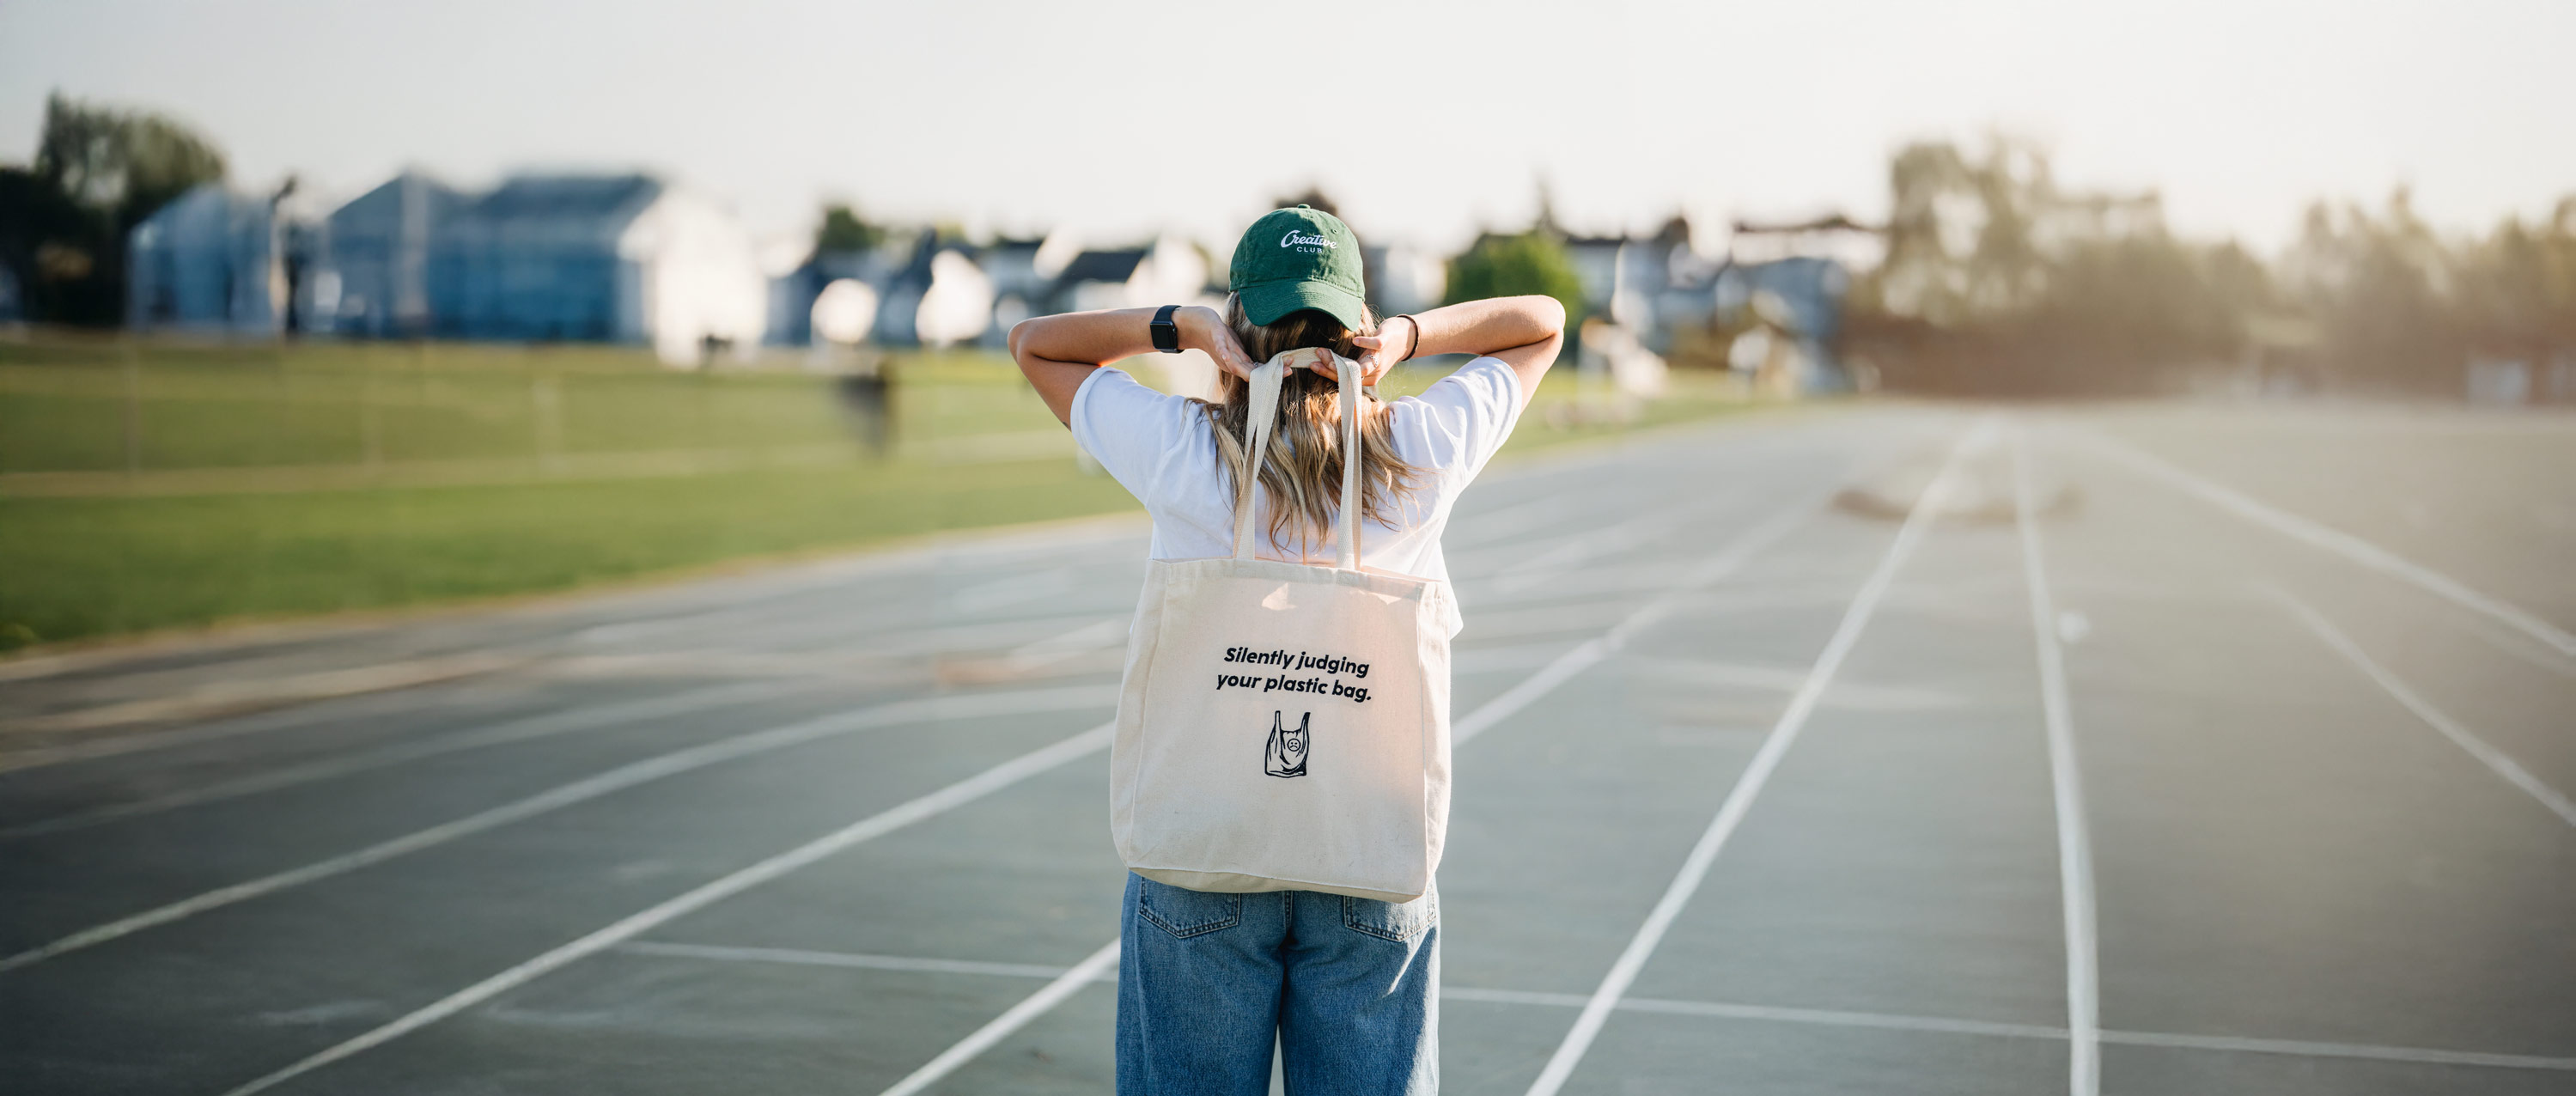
{"x": 1426, "y": 122}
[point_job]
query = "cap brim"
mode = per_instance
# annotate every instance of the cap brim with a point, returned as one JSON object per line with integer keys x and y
{"x": 1267, "y": 302}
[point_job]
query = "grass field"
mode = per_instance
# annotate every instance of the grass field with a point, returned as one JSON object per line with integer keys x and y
{"x": 162, "y": 485}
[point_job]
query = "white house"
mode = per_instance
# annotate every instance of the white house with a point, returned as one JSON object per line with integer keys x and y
{"x": 211, "y": 261}
{"x": 614, "y": 258}
{"x": 378, "y": 257}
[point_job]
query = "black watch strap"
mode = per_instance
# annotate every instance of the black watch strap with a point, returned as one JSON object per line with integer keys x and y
{"x": 1167, "y": 335}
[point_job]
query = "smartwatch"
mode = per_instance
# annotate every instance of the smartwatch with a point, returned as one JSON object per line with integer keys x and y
{"x": 1167, "y": 335}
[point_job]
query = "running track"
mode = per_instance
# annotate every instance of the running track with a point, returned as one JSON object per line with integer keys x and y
{"x": 2152, "y": 750}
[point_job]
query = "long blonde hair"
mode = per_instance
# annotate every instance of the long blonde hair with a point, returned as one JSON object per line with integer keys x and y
{"x": 1301, "y": 469}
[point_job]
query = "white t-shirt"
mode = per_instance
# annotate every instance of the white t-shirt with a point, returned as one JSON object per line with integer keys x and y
{"x": 1161, "y": 449}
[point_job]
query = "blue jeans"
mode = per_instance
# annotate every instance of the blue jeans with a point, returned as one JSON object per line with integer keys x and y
{"x": 1350, "y": 986}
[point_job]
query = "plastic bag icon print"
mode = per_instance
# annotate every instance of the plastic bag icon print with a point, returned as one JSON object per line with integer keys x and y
{"x": 1286, "y": 754}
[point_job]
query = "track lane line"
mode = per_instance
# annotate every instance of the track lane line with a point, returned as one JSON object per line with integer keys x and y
{"x": 516, "y": 730}
{"x": 2495, "y": 760}
{"x": 1563, "y": 667}
{"x": 1033, "y": 763}
{"x": 1757, "y": 773}
{"x": 300, "y": 716}
{"x": 2066, "y": 780}
{"x": 1720, "y": 1010}
{"x": 805, "y": 957}
{"x": 613, "y": 780}
{"x": 1001, "y": 1027}
{"x": 2320, "y": 535}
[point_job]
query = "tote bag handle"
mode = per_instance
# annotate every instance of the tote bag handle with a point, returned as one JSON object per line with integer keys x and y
{"x": 1263, "y": 414}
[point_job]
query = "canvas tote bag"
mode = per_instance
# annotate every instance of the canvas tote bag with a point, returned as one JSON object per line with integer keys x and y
{"x": 1285, "y": 726}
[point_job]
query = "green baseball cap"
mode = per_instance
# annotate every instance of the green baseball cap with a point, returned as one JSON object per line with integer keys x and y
{"x": 1299, "y": 258}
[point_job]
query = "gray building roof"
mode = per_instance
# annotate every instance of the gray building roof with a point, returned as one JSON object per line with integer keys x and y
{"x": 1102, "y": 266}
{"x": 537, "y": 259}
{"x": 566, "y": 198}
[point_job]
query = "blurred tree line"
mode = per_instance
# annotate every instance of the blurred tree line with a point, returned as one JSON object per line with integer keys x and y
{"x": 1531, "y": 263}
{"x": 1997, "y": 280}
{"x": 97, "y": 173}
{"x": 844, "y": 230}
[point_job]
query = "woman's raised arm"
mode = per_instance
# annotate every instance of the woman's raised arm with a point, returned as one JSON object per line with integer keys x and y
{"x": 1057, "y": 352}
{"x": 1525, "y": 332}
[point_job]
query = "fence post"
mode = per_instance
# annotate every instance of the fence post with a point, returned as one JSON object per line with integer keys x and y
{"x": 133, "y": 369}
{"x": 544, "y": 401}
{"x": 371, "y": 427}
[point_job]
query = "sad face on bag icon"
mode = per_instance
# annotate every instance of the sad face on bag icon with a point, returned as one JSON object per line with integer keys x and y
{"x": 1286, "y": 753}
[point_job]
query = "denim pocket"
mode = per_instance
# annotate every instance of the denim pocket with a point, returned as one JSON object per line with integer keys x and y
{"x": 1397, "y": 921}
{"x": 1186, "y": 913}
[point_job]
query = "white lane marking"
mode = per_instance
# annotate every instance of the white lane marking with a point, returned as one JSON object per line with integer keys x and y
{"x": 1841, "y": 1018}
{"x": 1757, "y": 773}
{"x": 1512, "y": 997}
{"x": 801, "y": 957}
{"x": 1493, "y": 525}
{"x": 614, "y": 780}
{"x": 1727, "y": 561}
{"x": 1584, "y": 655}
{"x": 277, "y": 719}
{"x": 2337, "y": 541}
{"x": 1848, "y": 695}
{"x": 2306, "y": 1049}
{"x": 1724, "y": 1010}
{"x": 1632, "y": 575}
{"x": 1523, "y": 571}
{"x": 979, "y": 637}
{"x": 1057, "y": 648}
{"x": 1011, "y": 589}
{"x": 517, "y": 730}
{"x": 2494, "y": 759}
{"x": 2074, "y": 846}
{"x": 233, "y": 693}
{"x": 955, "y": 795}
{"x": 1001, "y": 1027}
{"x": 2520, "y": 647}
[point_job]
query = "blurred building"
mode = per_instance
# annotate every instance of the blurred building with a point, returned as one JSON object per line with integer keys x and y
{"x": 1770, "y": 307}
{"x": 211, "y": 261}
{"x": 933, "y": 290}
{"x": 1170, "y": 270}
{"x": 792, "y": 295}
{"x": 598, "y": 258}
{"x": 1784, "y": 317}
{"x": 1020, "y": 282}
{"x": 912, "y": 274}
{"x": 1094, "y": 279}
{"x": 377, "y": 260}
{"x": 1403, "y": 279}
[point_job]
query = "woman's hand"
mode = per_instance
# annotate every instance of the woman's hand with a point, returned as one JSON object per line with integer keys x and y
{"x": 1380, "y": 352}
{"x": 1203, "y": 329}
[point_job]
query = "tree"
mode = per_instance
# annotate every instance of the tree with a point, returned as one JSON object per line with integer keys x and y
{"x": 1314, "y": 196}
{"x": 843, "y": 231}
{"x": 1505, "y": 266}
{"x": 125, "y": 164}
{"x": 2402, "y": 308}
{"x": 1996, "y": 279}
{"x": 2382, "y": 291}
{"x": 98, "y": 172}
